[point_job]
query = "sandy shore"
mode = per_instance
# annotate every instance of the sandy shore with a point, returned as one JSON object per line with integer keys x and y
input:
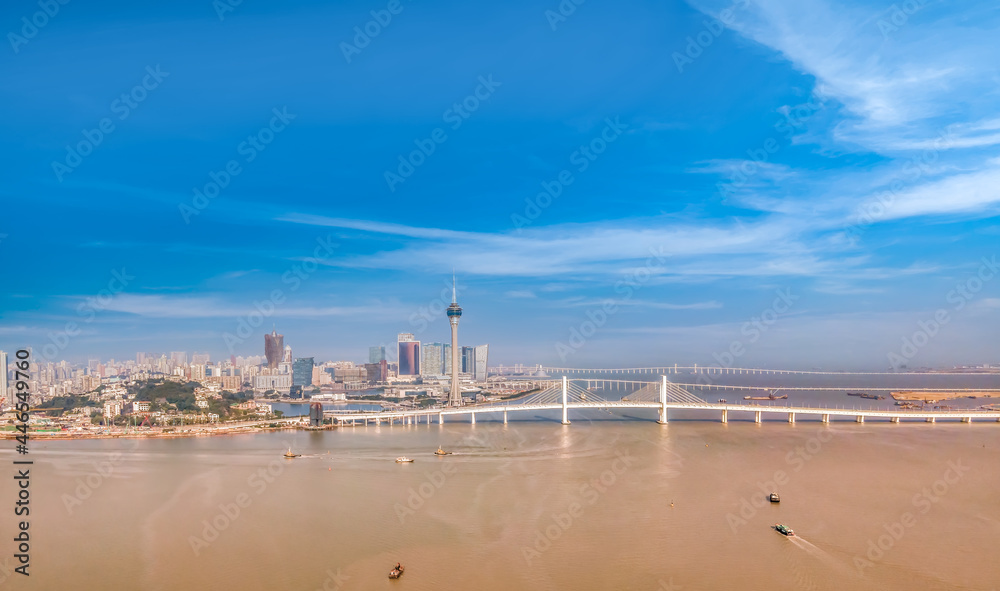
{"x": 938, "y": 396}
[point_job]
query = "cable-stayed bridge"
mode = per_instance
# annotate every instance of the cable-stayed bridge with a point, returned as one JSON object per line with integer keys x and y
{"x": 662, "y": 395}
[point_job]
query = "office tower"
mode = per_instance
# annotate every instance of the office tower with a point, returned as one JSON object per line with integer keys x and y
{"x": 481, "y": 356}
{"x": 287, "y": 356}
{"x": 454, "y": 313}
{"x": 274, "y": 346}
{"x": 446, "y": 358}
{"x": 469, "y": 360}
{"x": 302, "y": 371}
{"x": 432, "y": 359}
{"x": 409, "y": 355}
{"x": 3, "y": 378}
{"x": 179, "y": 357}
{"x": 376, "y": 354}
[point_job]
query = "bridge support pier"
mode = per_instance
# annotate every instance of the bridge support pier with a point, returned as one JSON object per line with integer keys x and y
{"x": 725, "y": 415}
{"x": 860, "y": 418}
{"x": 756, "y": 416}
{"x": 663, "y": 399}
{"x": 473, "y": 418}
{"x": 826, "y": 418}
{"x": 894, "y": 420}
{"x": 565, "y": 402}
{"x": 791, "y": 417}
{"x": 930, "y": 419}
{"x": 504, "y": 417}
{"x": 440, "y": 418}
{"x": 966, "y": 419}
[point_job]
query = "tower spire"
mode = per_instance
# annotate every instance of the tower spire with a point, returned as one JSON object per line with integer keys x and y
{"x": 454, "y": 296}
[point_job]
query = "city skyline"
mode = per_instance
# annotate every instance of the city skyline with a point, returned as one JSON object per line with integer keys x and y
{"x": 665, "y": 182}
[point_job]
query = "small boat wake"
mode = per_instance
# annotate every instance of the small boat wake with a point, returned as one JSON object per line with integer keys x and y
{"x": 821, "y": 555}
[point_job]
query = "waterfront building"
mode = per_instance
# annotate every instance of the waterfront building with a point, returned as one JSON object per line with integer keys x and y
{"x": 376, "y": 354}
{"x": 274, "y": 344}
{"x": 480, "y": 363}
{"x": 302, "y": 371}
{"x": 409, "y": 355}
{"x": 432, "y": 359}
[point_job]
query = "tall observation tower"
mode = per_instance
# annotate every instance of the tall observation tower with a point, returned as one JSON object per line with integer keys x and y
{"x": 454, "y": 313}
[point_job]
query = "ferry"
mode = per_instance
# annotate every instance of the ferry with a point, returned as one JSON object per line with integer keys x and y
{"x": 396, "y": 572}
{"x": 781, "y": 529}
{"x": 441, "y": 452}
{"x": 290, "y": 455}
{"x": 403, "y": 460}
{"x": 774, "y": 498}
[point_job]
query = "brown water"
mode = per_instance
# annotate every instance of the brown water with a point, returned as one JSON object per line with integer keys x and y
{"x": 522, "y": 506}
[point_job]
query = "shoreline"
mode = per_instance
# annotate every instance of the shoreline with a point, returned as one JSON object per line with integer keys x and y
{"x": 938, "y": 396}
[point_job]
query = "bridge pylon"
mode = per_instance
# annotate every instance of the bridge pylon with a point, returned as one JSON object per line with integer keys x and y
{"x": 565, "y": 403}
{"x": 663, "y": 402}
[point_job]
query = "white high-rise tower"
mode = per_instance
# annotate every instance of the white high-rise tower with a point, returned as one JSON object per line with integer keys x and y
{"x": 454, "y": 313}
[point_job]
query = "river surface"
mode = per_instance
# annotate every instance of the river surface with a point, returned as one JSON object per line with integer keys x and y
{"x": 613, "y": 501}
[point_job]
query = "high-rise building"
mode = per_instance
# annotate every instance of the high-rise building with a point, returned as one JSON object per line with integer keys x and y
{"x": 454, "y": 313}
{"x": 302, "y": 371}
{"x": 446, "y": 355}
{"x": 432, "y": 359}
{"x": 468, "y": 360}
{"x": 179, "y": 357}
{"x": 274, "y": 346}
{"x": 409, "y": 355}
{"x": 287, "y": 355}
{"x": 376, "y": 354}
{"x": 482, "y": 354}
{"x": 202, "y": 358}
{"x": 3, "y": 379}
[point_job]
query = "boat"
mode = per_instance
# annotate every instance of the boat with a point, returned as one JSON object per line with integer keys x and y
{"x": 771, "y": 396}
{"x": 289, "y": 454}
{"x": 774, "y": 498}
{"x": 403, "y": 460}
{"x": 396, "y": 572}
{"x": 866, "y": 396}
{"x": 782, "y": 529}
{"x": 441, "y": 452}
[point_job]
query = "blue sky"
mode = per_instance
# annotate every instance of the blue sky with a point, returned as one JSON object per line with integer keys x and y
{"x": 712, "y": 156}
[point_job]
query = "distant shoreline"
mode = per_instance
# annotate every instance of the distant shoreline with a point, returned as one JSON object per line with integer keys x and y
{"x": 938, "y": 396}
